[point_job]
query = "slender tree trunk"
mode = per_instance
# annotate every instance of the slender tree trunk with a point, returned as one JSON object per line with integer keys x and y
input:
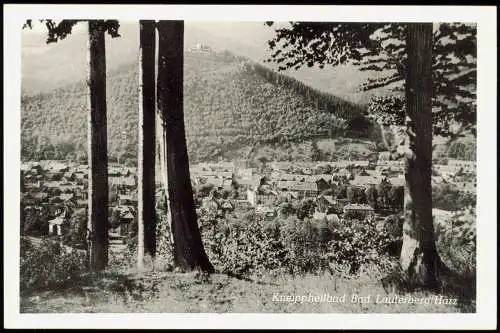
{"x": 189, "y": 252}
{"x": 419, "y": 257}
{"x": 146, "y": 218}
{"x": 97, "y": 148}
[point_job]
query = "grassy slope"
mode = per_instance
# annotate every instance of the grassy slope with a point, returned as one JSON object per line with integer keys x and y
{"x": 185, "y": 292}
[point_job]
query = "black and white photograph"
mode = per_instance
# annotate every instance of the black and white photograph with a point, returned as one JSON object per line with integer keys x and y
{"x": 185, "y": 161}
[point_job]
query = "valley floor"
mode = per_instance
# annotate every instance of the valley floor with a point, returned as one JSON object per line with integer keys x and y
{"x": 160, "y": 292}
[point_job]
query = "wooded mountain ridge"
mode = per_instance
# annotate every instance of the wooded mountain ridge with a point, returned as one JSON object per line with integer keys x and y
{"x": 229, "y": 102}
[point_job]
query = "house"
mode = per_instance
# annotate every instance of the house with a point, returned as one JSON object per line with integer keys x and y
{"x": 202, "y": 172}
{"x": 280, "y": 166}
{"x": 67, "y": 196}
{"x": 224, "y": 174}
{"x": 254, "y": 182}
{"x": 227, "y": 205}
{"x": 373, "y": 173}
{"x": 56, "y": 225}
{"x": 54, "y": 175}
{"x": 201, "y": 49}
{"x": 80, "y": 178}
{"x": 327, "y": 203}
{"x": 392, "y": 163}
{"x": 384, "y": 156}
{"x": 126, "y": 217}
{"x": 122, "y": 181}
{"x": 266, "y": 211}
{"x": 60, "y": 168}
{"x": 397, "y": 181}
{"x": 212, "y": 205}
{"x": 340, "y": 164}
{"x": 221, "y": 166}
{"x": 116, "y": 171}
{"x": 257, "y": 197}
{"x": 36, "y": 169}
{"x": 25, "y": 167}
{"x": 80, "y": 192}
{"x": 40, "y": 196}
{"x": 33, "y": 185}
{"x": 307, "y": 170}
{"x": 51, "y": 184}
{"x": 81, "y": 203}
{"x": 227, "y": 184}
{"x": 343, "y": 173}
{"x": 303, "y": 189}
{"x": 276, "y": 175}
{"x": 252, "y": 197}
{"x": 55, "y": 200}
{"x": 363, "y": 209}
{"x": 68, "y": 175}
{"x": 114, "y": 180}
{"x": 127, "y": 199}
{"x": 366, "y": 181}
{"x": 244, "y": 172}
{"x": 323, "y": 184}
{"x": 66, "y": 187}
{"x": 363, "y": 163}
{"x": 215, "y": 181}
{"x": 333, "y": 218}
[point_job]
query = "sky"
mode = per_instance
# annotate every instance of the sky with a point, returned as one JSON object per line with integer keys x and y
{"x": 45, "y": 65}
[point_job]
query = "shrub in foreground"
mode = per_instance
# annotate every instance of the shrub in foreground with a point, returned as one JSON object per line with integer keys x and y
{"x": 49, "y": 264}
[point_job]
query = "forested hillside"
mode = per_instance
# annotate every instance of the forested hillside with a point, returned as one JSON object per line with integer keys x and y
{"x": 230, "y": 102}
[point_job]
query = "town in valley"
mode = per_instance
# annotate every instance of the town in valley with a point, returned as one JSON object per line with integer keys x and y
{"x": 57, "y": 190}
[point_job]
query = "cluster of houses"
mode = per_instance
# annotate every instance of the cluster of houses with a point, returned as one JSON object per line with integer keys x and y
{"x": 296, "y": 181}
{"x": 300, "y": 180}
{"x": 62, "y": 188}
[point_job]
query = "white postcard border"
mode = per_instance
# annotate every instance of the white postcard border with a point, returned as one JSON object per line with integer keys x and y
{"x": 15, "y": 15}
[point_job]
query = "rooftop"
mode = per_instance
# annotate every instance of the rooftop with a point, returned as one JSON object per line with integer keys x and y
{"x": 358, "y": 207}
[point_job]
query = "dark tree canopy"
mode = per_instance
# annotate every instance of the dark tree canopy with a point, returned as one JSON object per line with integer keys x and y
{"x": 381, "y": 48}
{"x": 60, "y": 30}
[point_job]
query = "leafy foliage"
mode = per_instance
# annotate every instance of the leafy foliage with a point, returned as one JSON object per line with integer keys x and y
{"x": 359, "y": 243}
{"x": 249, "y": 247}
{"x": 59, "y": 30}
{"x": 34, "y": 221}
{"x": 76, "y": 235}
{"x": 456, "y": 240}
{"x": 48, "y": 265}
{"x": 254, "y": 245}
{"x": 381, "y": 49}
{"x": 461, "y": 150}
{"x": 449, "y": 197}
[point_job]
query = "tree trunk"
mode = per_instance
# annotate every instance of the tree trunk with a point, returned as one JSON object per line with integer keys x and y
{"x": 146, "y": 235}
{"x": 97, "y": 148}
{"x": 419, "y": 257}
{"x": 189, "y": 252}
